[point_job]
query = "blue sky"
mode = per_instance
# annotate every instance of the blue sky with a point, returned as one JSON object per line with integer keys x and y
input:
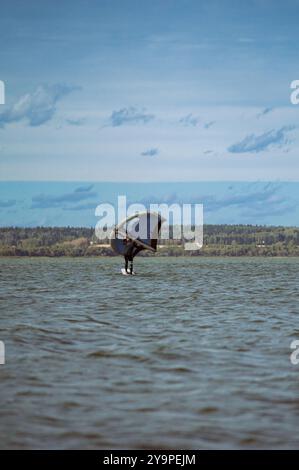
{"x": 127, "y": 90}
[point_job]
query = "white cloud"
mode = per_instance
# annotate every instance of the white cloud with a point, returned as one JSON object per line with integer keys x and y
{"x": 37, "y": 107}
{"x": 130, "y": 115}
{"x": 258, "y": 143}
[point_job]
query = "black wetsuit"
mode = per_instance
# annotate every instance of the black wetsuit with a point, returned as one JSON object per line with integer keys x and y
{"x": 131, "y": 249}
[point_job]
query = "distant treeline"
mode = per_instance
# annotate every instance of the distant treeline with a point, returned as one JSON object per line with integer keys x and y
{"x": 219, "y": 240}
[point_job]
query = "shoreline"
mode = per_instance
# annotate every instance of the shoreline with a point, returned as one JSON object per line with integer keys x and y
{"x": 218, "y": 241}
{"x": 154, "y": 256}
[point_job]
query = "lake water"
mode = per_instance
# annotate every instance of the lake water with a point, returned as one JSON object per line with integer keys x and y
{"x": 190, "y": 353}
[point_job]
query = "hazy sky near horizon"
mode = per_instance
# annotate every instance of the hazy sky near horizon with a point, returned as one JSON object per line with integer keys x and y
{"x": 172, "y": 90}
{"x": 37, "y": 203}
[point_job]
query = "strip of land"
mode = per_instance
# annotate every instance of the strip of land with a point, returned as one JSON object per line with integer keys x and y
{"x": 219, "y": 240}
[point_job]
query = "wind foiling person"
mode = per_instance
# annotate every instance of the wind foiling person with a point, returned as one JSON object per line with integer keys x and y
{"x": 130, "y": 250}
{"x": 136, "y": 233}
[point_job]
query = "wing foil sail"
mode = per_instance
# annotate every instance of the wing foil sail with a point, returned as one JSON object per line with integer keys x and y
{"x": 143, "y": 228}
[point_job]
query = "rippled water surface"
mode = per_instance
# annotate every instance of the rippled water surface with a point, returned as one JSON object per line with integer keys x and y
{"x": 190, "y": 353}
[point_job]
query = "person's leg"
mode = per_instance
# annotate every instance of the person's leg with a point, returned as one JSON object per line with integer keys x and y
{"x": 126, "y": 264}
{"x": 131, "y": 266}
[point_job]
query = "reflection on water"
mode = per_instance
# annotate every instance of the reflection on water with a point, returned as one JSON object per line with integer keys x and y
{"x": 191, "y": 353}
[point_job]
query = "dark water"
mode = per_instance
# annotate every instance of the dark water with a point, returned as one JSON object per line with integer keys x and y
{"x": 191, "y": 353}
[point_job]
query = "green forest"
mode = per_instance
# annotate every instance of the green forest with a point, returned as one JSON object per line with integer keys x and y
{"x": 219, "y": 240}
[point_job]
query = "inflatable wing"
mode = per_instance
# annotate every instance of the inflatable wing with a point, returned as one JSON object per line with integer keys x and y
{"x": 143, "y": 228}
